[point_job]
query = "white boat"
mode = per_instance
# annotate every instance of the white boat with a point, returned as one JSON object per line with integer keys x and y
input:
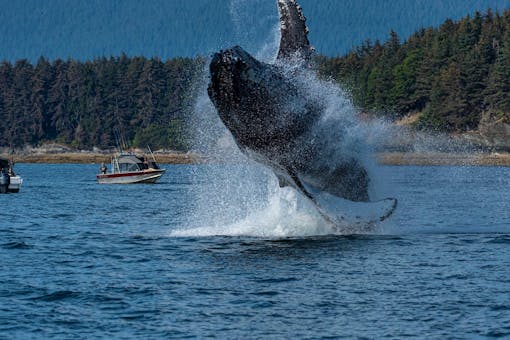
{"x": 129, "y": 168}
{"x": 9, "y": 181}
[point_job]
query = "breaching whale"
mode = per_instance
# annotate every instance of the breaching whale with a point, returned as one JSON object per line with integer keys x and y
{"x": 272, "y": 120}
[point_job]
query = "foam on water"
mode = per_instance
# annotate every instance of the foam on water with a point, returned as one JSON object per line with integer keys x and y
{"x": 285, "y": 214}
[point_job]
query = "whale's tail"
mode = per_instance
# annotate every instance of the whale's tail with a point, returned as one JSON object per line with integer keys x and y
{"x": 294, "y": 42}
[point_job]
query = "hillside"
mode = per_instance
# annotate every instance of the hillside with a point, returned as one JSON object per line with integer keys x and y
{"x": 98, "y": 103}
{"x": 85, "y": 30}
{"x": 454, "y": 78}
{"x": 450, "y": 78}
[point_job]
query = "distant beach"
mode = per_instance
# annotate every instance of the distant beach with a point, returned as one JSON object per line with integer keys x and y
{"x": 439, "y": 158}
{"x": 384, "y": 158}
{"x": 95, "y": 157}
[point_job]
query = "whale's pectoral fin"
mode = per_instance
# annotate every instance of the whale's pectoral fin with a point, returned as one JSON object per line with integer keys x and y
{"x": 294, "y": 33}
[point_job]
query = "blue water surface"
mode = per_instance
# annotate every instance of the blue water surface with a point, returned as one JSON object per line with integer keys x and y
{"x": 78, "y": 259}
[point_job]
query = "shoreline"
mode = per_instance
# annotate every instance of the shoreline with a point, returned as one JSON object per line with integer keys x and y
{"x": 443, "y": 159}
{"x": 383, "y": 158}
{"x": 97, "y": 158}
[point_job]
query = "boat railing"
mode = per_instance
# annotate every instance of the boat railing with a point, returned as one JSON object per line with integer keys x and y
{"x": 115, "y": 165}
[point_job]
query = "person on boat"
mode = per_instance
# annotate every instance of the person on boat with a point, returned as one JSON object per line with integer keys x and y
{"x": 145, "y": 163}
{"x": 103, "y": 168}
{"x": 11, "y": 170}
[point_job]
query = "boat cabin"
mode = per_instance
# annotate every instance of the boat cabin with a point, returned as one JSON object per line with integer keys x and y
{"x": 131, "y": 162}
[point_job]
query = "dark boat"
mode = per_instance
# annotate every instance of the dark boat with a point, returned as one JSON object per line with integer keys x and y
{"x": 9, "y": 181}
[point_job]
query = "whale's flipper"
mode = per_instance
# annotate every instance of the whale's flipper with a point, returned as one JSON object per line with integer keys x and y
{"x": 294, "y": 33}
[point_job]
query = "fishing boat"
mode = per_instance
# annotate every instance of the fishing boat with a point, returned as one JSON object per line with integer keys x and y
{"x": 129, "y": 168}
{"x": 9, "y": 181}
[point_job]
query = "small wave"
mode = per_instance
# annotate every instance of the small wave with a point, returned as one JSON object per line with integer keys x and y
{"x": 16, "y": 245}
{"x": 503, "y": 239}
{"x": 57, "y": 296}
{"x": 500, "y": 307}
{"x": 134, "y": 316}
{"x": 498, "y": 334}
{"x": 278, "y": 280}
{"x": 266, "y": 293}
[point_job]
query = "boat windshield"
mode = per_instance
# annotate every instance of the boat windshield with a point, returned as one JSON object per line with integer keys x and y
{"x": 129, "y": 163}
{"x": 128, "y": 167}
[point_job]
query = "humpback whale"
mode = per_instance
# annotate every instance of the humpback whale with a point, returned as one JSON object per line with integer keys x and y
{"x": 272, "y": 119}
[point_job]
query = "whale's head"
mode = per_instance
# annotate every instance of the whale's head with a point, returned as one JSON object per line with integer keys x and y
{"x": 233, "y": 84}
{"x": 256, "y": 101}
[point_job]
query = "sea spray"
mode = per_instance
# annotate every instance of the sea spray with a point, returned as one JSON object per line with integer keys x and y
{"x": 243, "y": 13}
{"x": 237, "y": 196}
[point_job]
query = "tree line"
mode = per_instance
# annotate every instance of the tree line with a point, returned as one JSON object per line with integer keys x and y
{"x": 97, "y": 103}
{"x": 447, "y": 76}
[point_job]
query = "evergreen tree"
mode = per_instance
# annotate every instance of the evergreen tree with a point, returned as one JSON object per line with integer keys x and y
{"x": 498, "y": 90}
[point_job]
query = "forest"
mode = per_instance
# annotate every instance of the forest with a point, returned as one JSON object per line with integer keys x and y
{"x": 98, "y": 103}
{"x": 446, "y": 77}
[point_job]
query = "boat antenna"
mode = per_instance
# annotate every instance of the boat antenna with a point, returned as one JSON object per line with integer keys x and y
{"x": 11, "y": 151}
{"x": 119, "y": 135}
{"x": 150, "y": 151}
{"x": 118, "y": 139}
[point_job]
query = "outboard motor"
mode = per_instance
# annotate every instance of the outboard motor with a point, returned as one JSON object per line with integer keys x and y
{"x": 5, "y": 180}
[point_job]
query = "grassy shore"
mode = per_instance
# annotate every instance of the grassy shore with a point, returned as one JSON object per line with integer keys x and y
{"x": 386, "y": 158}
{"x": 437, "y": 158}
{"x": 97, "y": 158}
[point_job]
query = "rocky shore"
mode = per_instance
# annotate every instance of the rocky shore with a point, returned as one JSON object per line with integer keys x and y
{"x": 60, "y": 154}
{"x": 385, "y": 158}
{"x": 97, "y": 158}
{"x": 438, "y": 158}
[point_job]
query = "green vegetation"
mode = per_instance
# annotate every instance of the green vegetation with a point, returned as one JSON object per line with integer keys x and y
{"x": 449, "y": 75}
{"x": 86, "y": 104}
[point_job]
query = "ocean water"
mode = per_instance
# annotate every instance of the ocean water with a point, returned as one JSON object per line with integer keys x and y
{"x": 78, "y": 259}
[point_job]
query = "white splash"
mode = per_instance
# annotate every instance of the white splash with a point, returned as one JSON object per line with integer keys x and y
{"x": 241, "y": 12}
{"x": 237, "y": 197}
{"x": 285, "y": 214}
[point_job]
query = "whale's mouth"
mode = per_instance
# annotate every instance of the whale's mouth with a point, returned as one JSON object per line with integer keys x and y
{"x": 239, "y": 92}
{"x": 229, "y": 70}
{"x": 226, "y": 69}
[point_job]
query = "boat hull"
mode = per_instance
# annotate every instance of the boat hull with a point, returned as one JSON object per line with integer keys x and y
{"x": 15, "y": 183}
{"x": 144, "y": 176}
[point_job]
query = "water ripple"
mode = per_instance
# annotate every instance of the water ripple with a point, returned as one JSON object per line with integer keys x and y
{"x": 57, "y": 296}
{"x": 101, "y": 262}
